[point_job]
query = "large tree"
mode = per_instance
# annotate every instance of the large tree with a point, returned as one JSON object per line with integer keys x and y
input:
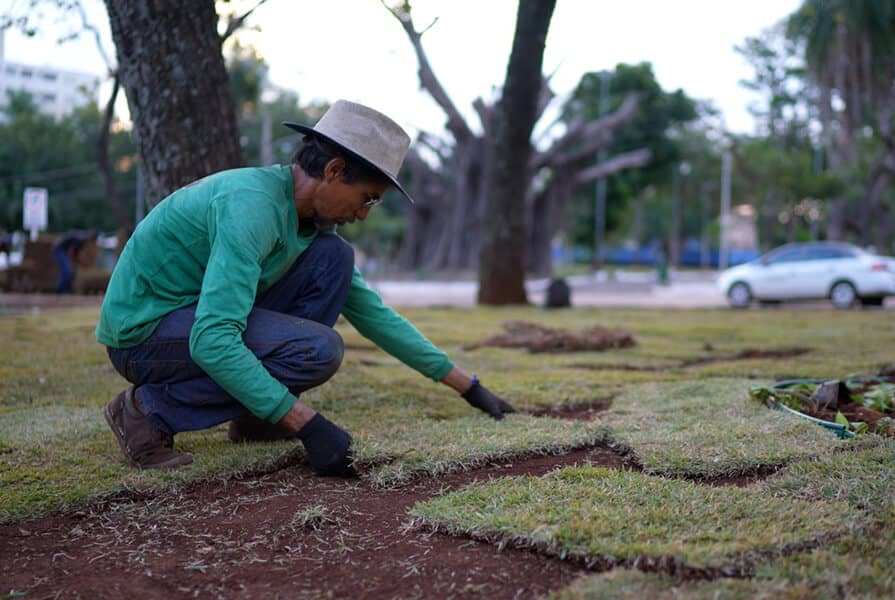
{"x": 172, "y": 70}
{"x": 446, "y": 227}
{"x": 502, "y": 262}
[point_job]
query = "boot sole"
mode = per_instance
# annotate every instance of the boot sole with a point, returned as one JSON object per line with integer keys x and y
{"x": 184, "y": 458}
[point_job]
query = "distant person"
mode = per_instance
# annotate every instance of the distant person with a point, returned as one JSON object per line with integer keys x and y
{"x": 66, "y": 251}
{"x": 222, "y": 304}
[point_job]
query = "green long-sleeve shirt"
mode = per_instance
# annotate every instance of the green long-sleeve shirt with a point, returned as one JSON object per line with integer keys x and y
{"x": 218, "y": 243}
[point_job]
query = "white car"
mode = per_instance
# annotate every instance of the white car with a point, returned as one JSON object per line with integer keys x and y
{"x": 841, "y": 272}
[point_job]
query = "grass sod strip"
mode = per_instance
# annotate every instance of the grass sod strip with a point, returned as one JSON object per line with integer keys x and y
{"x": 606, "y": 517}
{"x": 709, "y": 428}
{"x": 415, "y": 448}
{"x": 858, "y": 566}
{"x": 864, "y": 477}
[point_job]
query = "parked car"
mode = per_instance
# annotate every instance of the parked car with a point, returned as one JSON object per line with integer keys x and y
{"x": 841, "y": 272}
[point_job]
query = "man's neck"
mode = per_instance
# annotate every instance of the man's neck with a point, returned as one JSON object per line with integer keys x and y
{"x": 303, "y": 188}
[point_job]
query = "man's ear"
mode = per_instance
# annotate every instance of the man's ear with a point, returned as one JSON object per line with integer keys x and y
{"x": 334, "y": 169}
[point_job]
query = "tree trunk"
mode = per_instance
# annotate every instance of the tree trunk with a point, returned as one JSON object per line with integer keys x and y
{"x": 105, "y": 168}
{"x": 502, "y": 258}
{"x": 173, "y": 73}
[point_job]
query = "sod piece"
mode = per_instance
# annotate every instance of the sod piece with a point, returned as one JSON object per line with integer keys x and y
{"x": 709, "y": 428}
{"x": 608, "y": 518}
{"x": 864, "y": 476}
{"x": 631, "y": 584}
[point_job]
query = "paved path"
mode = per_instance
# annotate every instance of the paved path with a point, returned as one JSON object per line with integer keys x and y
{"x": 625, "y": 289}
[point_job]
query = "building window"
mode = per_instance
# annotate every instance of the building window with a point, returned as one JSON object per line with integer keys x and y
{"x": 48, "y": 97}
{"x": 10, "y": 70}
{"x": 49, "y": 76}
{"x": 26, "y": 73}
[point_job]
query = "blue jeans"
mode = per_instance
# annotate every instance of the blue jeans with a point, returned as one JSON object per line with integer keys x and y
{"x": 289, "y": 330}
{"x": 66, "y": 272}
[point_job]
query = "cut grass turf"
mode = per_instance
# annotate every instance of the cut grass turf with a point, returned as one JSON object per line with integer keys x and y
{"x": 55, "y": 449}
{"x": 709, "y": 428}
{"x": 864, "y": 476}
{"x": 857, "y": 565}
{"x": 608, "y": 517}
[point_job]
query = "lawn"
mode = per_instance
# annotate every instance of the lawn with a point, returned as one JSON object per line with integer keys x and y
{"x": 679, "y": 413}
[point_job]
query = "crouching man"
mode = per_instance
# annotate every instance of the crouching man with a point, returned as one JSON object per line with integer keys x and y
{"x": 222, "y": 304}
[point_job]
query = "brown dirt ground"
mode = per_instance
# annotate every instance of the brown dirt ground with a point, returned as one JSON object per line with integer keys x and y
{"x": 242, "y": 539}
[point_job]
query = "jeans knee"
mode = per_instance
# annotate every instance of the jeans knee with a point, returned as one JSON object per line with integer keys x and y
{"x": 330, "y": 353}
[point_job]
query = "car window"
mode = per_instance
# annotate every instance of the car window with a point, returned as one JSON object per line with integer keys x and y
{"x": 828, "y": 252}
{"x": 785, "y": 255}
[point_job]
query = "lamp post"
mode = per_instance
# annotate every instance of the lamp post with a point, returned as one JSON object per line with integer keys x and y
{"x": 725, "y": 209}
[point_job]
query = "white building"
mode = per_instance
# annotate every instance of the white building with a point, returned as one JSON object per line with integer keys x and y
{"x": 55, "y": 91}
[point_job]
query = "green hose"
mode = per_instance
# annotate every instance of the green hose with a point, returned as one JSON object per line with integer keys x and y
{"x": 840, "y": 429}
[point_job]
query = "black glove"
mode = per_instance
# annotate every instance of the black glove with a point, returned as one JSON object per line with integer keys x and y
{"x": 479, "y": 396}
{"x": 328, "y": 447}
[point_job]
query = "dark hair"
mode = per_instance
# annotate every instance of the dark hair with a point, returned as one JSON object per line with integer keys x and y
{"x": 314, "y": 153}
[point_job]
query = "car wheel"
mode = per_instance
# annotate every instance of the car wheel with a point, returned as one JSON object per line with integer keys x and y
{"x": 739, "y": 295}
{"x": 843, "y": 294}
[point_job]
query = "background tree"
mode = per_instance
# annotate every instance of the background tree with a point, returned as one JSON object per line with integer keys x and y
{"x": 849, "y": 51}
{"x": 37, "y": 150}
{"x": 657, "y": 126}
{"x": 172, "y": 70}
{"x": 448, "y": 175}
{"x": 502, "y": 260}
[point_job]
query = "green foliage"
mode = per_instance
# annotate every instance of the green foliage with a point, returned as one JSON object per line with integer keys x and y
{"x": 39, "y": 151}
{"x": 661, "y": 119}
{"x": 880, "y": 397}
{"x": 247, "y": 72}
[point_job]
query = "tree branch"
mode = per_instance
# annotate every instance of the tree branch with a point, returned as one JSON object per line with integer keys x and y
{"x": 593, "y": 134}
{"x": 428, "y": 81}
{"x": 92, "y": 29}
{"x": 235, "y": 23}
{"x": 628, "y": 160}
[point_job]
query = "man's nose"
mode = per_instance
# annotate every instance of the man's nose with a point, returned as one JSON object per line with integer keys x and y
{"x": 363, "y": 212}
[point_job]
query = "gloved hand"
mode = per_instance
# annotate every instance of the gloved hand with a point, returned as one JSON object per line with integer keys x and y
{"x": 480, "y": 397}
{"x": 328, "y": 447}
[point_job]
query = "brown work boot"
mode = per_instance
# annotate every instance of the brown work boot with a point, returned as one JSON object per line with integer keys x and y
{"x": 252, "y": 429}
{"x": 144, "y": 446}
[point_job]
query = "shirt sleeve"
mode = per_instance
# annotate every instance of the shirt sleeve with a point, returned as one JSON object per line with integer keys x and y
{"x": 242, "y": 231}
{"x": 393, "y": 333}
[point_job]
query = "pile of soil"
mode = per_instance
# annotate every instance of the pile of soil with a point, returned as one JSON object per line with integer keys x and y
{"x": 537, "y": 338}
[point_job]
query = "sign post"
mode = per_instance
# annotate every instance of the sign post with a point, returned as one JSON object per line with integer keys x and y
{"x": 34, "y": 213}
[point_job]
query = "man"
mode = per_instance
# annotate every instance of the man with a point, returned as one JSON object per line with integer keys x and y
{"x": 66, "y": 251}
{"x": 222, "y": 304}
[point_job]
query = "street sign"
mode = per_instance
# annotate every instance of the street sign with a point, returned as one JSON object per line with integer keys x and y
{"x": 34, "y": 213}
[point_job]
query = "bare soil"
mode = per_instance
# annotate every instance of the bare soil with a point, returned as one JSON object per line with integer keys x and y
{"x": 285, "y": 534}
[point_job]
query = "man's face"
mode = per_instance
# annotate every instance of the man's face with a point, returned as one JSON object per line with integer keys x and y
{"x": 338, "y": 203}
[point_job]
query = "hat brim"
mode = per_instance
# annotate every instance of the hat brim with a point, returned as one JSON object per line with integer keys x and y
{"x": 311, "y": 131}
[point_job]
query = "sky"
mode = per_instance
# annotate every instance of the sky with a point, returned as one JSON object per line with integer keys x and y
{"x": 355, "y": 49}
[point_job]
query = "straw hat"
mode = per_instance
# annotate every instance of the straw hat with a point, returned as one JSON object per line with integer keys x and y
{"x": 365, "y": 134}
